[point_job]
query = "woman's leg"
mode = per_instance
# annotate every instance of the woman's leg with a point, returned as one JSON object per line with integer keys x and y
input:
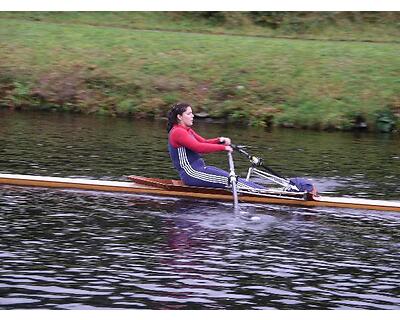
{"x": 212, "y": 177}
{"x": 242, "y": 183}
{"x": 205, "y": 176}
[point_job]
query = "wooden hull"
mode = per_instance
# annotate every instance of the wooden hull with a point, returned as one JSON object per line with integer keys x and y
{"x": 175, "y": 189}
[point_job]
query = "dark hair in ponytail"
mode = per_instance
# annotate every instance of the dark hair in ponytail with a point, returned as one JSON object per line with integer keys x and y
{"x": 176, "y": 109}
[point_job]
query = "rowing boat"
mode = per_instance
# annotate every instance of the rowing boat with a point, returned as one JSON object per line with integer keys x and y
{"x": 175, "y": 188}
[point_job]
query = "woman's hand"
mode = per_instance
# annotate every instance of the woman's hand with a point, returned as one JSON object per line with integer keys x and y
{"x": 225, "y": 141}
{"x": 228, "y": 148}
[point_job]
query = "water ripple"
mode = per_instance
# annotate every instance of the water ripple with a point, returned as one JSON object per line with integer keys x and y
{"x": 63, "y": 249}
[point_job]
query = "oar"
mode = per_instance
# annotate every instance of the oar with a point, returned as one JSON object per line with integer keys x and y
{"x": 233, "y": 181}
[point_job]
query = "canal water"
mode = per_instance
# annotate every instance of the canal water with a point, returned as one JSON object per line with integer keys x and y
{"x": 64, "y": 249}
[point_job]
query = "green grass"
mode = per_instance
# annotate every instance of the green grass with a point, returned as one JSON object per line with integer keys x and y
{"x": 261, "y": 81}
{"x": 353, "y": 26}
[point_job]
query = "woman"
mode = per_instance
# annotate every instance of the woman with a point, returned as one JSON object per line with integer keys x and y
{"x": 185, "y": 146}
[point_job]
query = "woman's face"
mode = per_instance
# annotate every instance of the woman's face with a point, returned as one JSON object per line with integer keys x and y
{"x": 186, "y": 118}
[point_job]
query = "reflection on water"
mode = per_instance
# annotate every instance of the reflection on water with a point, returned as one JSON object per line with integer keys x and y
{"x": 82, "y": 250}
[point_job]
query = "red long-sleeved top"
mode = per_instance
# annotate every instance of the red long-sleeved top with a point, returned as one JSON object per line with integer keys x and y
{"x": 180, "y": 136}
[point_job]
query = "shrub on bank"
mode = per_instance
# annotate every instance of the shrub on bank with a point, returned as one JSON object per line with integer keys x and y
{"x": 79, "y": 89}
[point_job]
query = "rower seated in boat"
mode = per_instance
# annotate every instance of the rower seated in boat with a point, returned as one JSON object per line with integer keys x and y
{"x": 185, "y": 147}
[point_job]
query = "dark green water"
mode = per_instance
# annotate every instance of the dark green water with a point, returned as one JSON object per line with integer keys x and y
{"x": 82, "y": 250}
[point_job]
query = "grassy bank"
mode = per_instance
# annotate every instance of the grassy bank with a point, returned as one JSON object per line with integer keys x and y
{"x": 341, "y": 26}
{"x": 116, "y": 70}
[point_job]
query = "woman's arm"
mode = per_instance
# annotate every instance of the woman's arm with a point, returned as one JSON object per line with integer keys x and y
{"x": 219, "y": 140}
{"x": 180, "y": 137}
{"x": 203, "y": 140}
